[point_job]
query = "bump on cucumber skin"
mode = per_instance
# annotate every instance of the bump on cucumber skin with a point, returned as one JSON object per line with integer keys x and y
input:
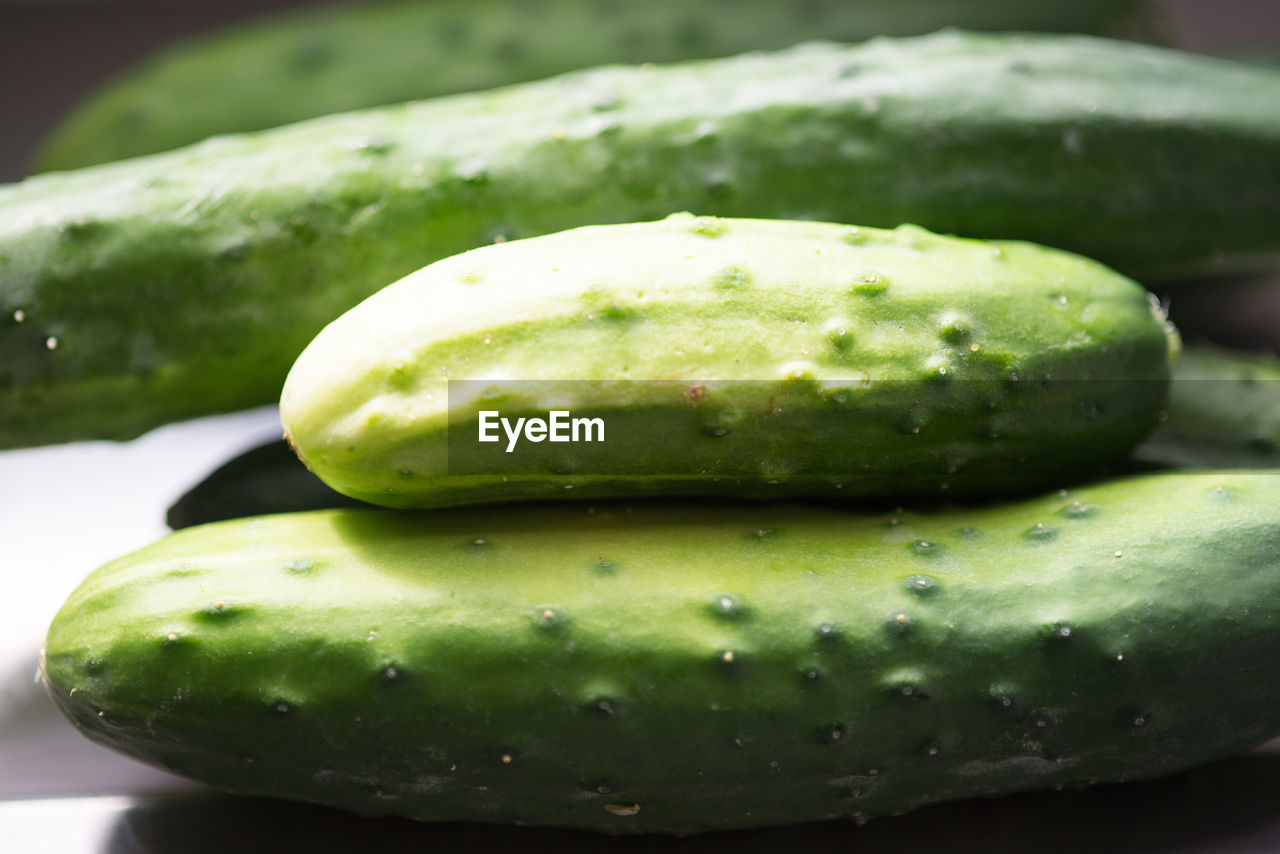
{"x": 552, "y": 664}
{"x": 187, "y": 282}
{"x": 974, "y": 368}
{"x": 313, "y": 62}
{"x": 1223, "y": 411}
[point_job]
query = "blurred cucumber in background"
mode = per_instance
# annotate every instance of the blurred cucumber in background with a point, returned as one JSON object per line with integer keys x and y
{"x": 1223, "y": 412}
{"x": 298, "y": 64}
{"x": 265, "y": 479}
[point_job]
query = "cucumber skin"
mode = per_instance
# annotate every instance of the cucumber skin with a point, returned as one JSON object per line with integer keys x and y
{"x": 187, "y": 283}
{"x": 1223, "y": 411}
{"x": 537, "y": 664}
{"x": 312, "y": 62}
{"x": 965, "y": 367}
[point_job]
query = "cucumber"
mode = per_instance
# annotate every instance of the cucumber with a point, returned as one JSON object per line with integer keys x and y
{"x": 679, "y": 668}
{"x": 266, "y": 479}
{"x": 1223, "y": 411}
{"x": 186, "y": 283}
{"x": 732, "y": 356}
{"x": 311, "y": 62}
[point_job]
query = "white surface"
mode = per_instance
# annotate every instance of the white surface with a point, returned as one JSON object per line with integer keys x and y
{"x": 41, "y": 827}
{"x": 64, "y": 511}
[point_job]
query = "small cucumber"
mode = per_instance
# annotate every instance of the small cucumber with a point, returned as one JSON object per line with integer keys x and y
{"x": 1223, "y": 411}
{"x": 314, "y": 61}
{"x": 791, "y": 358}
{"x": 186, "y": 283}
{"x": 680, "y": 668}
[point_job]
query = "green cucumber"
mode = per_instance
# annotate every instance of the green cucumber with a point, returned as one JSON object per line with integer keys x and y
{"x": 311, "y": 62}
{"x": 186, "y": 283}
{"x": 790, "y": 358}
{"x": 1223, "y": 411}
{"x": 680, "y": 668}
{"x": 266, "y": 479}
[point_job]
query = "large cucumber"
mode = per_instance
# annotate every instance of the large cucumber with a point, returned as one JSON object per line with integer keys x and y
{"x": 732, "y": 356}
{"x": 311, "y": 62}
{"x": 186, "y": 283}
{"x": 682, "y": 668}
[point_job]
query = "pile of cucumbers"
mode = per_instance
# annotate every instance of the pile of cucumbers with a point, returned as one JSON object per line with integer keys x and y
{"x": 881, "y": 516}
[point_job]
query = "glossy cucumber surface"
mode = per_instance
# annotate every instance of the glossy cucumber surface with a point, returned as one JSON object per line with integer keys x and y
{"x": 186, "y": 283}
{"x": 732, "y": 357}
{"x": 678, "y": 668}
